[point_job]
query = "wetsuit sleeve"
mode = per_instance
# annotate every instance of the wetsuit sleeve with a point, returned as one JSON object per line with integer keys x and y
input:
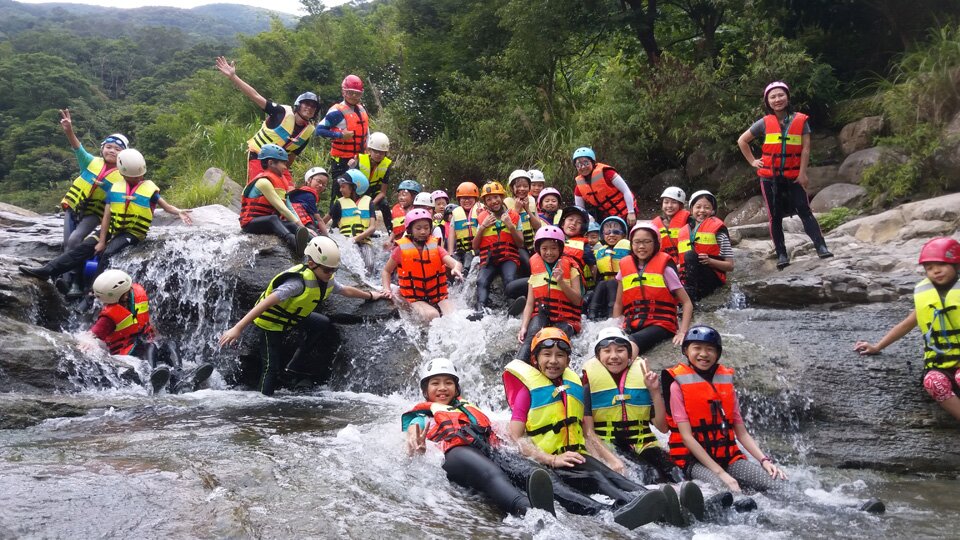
{"x": 677, "y": 407}
{"x": 275, "y": 113}
{"x": 337, "y": 287}
{"x": 672, "y": 280}
{"x": 103, "y": 328}
{"x": 275, "y": 201}
{"x": 618, "y": 182}
{"x": 83, "y": 157}
{"x": 329, "y": 127}
{"x": 587, "y": 403}
{"x": 289, "y": 289}
{"x": 758, "y": 129}
{"x": 589, "y": 257}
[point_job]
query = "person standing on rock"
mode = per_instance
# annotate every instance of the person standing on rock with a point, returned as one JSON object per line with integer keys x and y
{"x": 937, "y": 312}
{"x": 290, "y": 302}
{"x": 347, "y": 125}
{"x": 287, "y": 127}
{"x": 782, "y": 168}
{"x": 600, "y": 188}
{"x": 375, "y": 165}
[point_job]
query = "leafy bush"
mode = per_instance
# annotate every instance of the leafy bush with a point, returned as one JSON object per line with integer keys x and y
{"x": 835, "y": 217}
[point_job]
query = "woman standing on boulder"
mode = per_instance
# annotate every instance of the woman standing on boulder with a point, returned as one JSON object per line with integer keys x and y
{"x": 782, "y": 168}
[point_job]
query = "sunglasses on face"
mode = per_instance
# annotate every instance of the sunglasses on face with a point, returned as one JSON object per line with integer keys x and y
{"x": 550, "y": 343}
{"x": 621, "y": 232}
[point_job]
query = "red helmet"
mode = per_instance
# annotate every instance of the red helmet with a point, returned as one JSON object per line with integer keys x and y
{"x": 352, "y": 82}
{"x": 942, "y": 249}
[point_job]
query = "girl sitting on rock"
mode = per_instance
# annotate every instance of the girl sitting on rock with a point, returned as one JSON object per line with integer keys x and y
{"x": 704, "y": 248}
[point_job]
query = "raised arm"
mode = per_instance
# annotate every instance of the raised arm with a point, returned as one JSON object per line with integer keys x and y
{"x": 229, "y": 70}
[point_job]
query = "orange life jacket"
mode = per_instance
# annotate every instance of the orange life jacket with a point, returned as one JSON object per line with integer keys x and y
{"x": 421, "y": 273}
{"x": 781, "y": 155}
{"x": 302, "y": 213}
{"x": 449, "y": 422}
{"x": 548, "y": 295}
{"x": 705, "y": 241}
{"x": 496, "y": 242}
{"x": 130, "y": 321}
{"x": 646, "y": 299}
{"x": 670, "y": 234}
{"x": 710, "y": 408}
{"x": 601, "y": 194}
{"x": 254, "y": 204}
{"x": 398, "y": 217}
{"x": 359, "y": 124}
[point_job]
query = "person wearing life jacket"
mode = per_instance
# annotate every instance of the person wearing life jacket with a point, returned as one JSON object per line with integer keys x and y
{"x": 375, "y": 165}
{"x": 526, "y": 207}
{"x": 649, "y": 291}
{"x": 126, "y": 219}
{"x": 347, "y": 126}
{"x": 613, "y": 247}
{"x": 675, "y": 217}
{"x": 407, "y": 190}
{"x": 497, "y": 241}
{"x": 600, "y": 189}
{"x": 593, "y": 236}
{"x": 264, "y": 202}
{"x": 573, "y": 222}
{"x": 288, "y": 127}
{"x": 290, "y": 302}
{"x": 936, "y": 301}
{"x": 421, "y": 264}
{"x": 305, "y": 199}
{"x": 471, "y": 454}
{"x": 84, "y": 202}
{"x": 548, "y": 205}
{"x": 554, "y": 290}
{"x": 547, "y": 403}
{"x": 537, "y": 183}
{"x": 703, "y": 414}
{"x": 124, "y": 325}
{"x": 782, "y": 168}
{"x": 464, "y": 224}
{"x": 704, "y": 248}
{"x": 353, "y": 214}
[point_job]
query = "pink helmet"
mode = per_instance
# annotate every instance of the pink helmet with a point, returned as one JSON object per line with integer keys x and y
{"x": 775, "y": 84}
{"x": 352, "y": 82}
{"x": 548, "y": 232}
{"x": 648, "y": 226}
{"x": 548, "y": 191}
{"x": 439, "y": 194}
{"x": 941, "y": 249}
{"x": 416, "y": 215}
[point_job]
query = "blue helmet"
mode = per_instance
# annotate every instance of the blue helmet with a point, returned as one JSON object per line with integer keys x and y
{"x": 593, "y": 227}
{"x": 584, "y": 151}
{"x": 614, "y": 219}
{"x": 272, "y": 151}
{"x": 306, "y": 96}
{"x": 410, "y": 185}
{"x": 357, "y": 178}
{"x": 704, "y": 334}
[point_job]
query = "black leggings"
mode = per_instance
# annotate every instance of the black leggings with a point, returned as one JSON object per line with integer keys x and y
{"x": 498, "y": 475}
{"x": 507, "y": 271}
{"x": 536, "y": 324}
{"x": 699, "y": 279}
{"x": 573, "y": 485}
{"x": 602, "y": 300}
{"x": 338, "y": 166}
{"x": 516, "y": 288}
{"x": 274, "y": 225}
{"x": 524, "y": 269}
{"x": 655, "y": 465}
{"x": 384, "y": 207}
{"x": 75, "y": 258}
{"x": 649, "y": 337}
{"x": 785, "y": 198}
{"x": 315, "y": 326}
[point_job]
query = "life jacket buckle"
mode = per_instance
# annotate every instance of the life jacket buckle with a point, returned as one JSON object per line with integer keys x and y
{"x": 561, "y": 388}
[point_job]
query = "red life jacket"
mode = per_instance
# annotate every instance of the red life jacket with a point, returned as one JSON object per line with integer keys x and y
{"x": 130, "y": 320}
{"x": 705, "y": 242}
{"x": 601, "y": 194}
{"x": 359, "y": 124}
{"x": 781, "y": 155}
{"x": 710, "y": 408}
{"x": 253, "y": 203}
{"x": 398, "y": 217}
{"x": 646, "y": 299}
{"x": 421, "y": 273}
{"x": 448, "y": 423}
{"x": 496, "y": 242}
{"x": 548, "y": 295}
{"x": 670, "y": 234}
{"x": 302, "y": 213}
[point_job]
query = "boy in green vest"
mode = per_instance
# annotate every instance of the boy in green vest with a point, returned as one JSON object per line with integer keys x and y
{"x": 352, "y": 214}
{"x": 375, "y": 165}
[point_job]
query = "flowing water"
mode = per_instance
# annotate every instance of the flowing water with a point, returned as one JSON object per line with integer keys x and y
{"x": 331, "y": 463}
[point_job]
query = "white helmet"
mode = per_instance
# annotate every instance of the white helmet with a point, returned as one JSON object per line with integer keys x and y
{"x": 130, "y": 163}
{"x": 608, "y": 335}
{"x": 379, "y": 141}
{"x": 519, "y": 173}
{"x": 323, "y": 251}
{"x": 423, "y": 199}
{"x": 675, "y": 193}
{"x": 111, "y": 285}
{"x": 314, "y": 171}
{"x": 439, "y": 366}
{"x": 116, "y": 138}
{"x": 536, "y": 175}
{"x": 704, "y": 193}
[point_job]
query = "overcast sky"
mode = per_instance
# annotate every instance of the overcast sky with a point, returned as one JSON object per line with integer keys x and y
{"x": 287, "y": 6}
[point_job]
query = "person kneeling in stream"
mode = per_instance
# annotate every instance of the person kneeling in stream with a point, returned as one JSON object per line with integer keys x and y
{"x": 124, "y": 325}
{"x": 289, "y": 302}
{"x": 471, "y": 454}
{"x": 547, "y": 404}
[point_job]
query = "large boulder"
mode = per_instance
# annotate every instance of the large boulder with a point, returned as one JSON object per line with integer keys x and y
{"x": 946, "y": 160}
{"x": 16, "y": 210}
{"x": 837, "y": 195}
{"x": 851, "y": 171}
{"x": 859, "y": 135}
{"x": 232, "y": 191}
{"x": 821, "y": 177}
{"x": 751, "y": 212}
{"x": 665, "y": 179}
{"x": 825, "y": 148}
{"x": 698, "y": 163}
{"x": 930, "y": 217}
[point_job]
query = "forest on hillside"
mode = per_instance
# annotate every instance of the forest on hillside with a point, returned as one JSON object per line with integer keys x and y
{"x": 471, "y": 89}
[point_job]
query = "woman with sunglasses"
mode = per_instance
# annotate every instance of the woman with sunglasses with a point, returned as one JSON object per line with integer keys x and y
{"x": 613, "y": 247}
{"x": 547, "y": 404}
{"x": 649, "y": 292}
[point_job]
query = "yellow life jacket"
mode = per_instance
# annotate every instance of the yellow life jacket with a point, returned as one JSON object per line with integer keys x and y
{"x": 464, "y": 228}
{"x": 88, "y": 193}
{"x": 286, "y": 135}
{"x": 291, "y": 311}
{"x": 939, "y": 321}
{"x": 554, "y": 424}
{"x": 376, "y": 177}
{"x": 526, "y": 227}
{"x": 131, "y": 213}
{"x": 621, "y": 409}
{"x": 354, "y": 216}
{"x": 608, "y": 259}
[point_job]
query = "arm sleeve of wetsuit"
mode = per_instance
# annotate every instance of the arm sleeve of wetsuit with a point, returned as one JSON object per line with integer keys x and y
{"x": 337, "y": 287}
{"x": 275, "y": 113}
{"x": 758, "y": 129}
{"x": 275, "y": 201}
{"x": 726, "y": 250}
{"x": 290, "y": 288}
{"x": 737, "y": 417}
{"x": 677, "y": 407}
{"x": 589, "y": 257}
{"x": 103, "y": 328}
{"x": 329, "y": 126}
{"x": 621, "y": 184}
{"x": 578, "y": 201}
{"x": 587, "y": 403}
{"x": 83, "y": 157}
